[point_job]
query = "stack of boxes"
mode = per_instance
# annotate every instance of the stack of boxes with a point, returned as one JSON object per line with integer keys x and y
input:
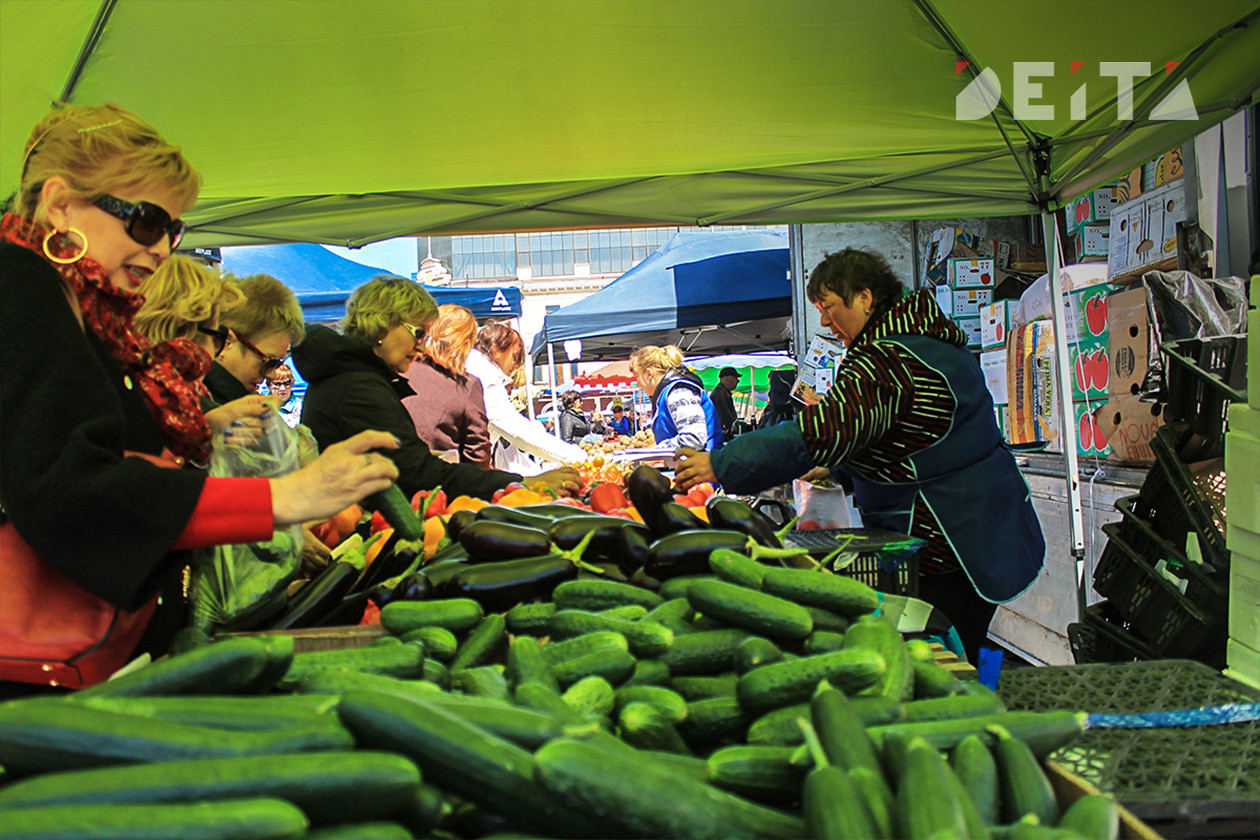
{"x": 995, "y": 327}
{"x": 1127, "y": 421}
{"x": 1150, "y": 202}
{"x": 1089, "y": 223}
{"x": 1242, "y": 531}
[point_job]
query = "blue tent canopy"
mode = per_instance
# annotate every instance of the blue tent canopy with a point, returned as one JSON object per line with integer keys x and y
{"x": 323, "y": 281}
{"x": 707, "y": 292}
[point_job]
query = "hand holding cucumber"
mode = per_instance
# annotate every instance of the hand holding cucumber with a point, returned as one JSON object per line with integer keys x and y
{"x": 344, "y": 474}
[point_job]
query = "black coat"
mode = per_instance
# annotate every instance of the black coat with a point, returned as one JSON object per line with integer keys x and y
{"x": 223, "y": 386}
{"x": 573, "y": 426}
{"x": 350, "y": 390}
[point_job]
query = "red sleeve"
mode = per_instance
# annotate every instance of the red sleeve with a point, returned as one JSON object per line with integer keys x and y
{"x": 229, "y": 511}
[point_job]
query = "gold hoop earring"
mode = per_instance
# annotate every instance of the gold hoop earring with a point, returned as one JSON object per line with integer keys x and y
{"x": 64, "y": 260}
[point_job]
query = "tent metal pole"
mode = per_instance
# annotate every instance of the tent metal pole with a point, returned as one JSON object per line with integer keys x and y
{"x": 551, "y": 378}
{"x": 1067, "y": 423}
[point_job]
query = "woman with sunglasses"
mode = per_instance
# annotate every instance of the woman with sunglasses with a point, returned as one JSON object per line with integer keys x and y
{"x": 357, "y": 380}
{"x": 95, "y": 214}
{"x": 261, "y": 328}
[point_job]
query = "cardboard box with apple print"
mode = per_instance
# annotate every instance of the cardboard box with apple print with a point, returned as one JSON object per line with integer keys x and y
{"x": 1091, "y": 369}
{"x": 1129, "y": 423}
{"x": 1091, "y": 440}
{"x": 1092, "y": 208}
{"x": 1086, "y": 313}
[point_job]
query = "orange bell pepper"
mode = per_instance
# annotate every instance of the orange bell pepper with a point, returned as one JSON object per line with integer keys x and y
{"x": 520, "y": 498}
{"x": 434, "y": 531}
{"x": 376, "y": 546}
{"x": 700, "y": 511}
{"x": 465, "y": 503}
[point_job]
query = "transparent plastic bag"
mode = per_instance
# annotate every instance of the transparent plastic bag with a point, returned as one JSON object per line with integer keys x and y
{"x": 235, "y": 587}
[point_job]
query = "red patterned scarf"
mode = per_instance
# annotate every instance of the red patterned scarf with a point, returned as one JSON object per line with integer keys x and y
{"x": 169, "y": 373}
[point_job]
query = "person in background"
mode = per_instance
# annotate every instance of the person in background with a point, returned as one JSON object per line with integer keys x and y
{"x": 95, "y": 214}
{"x": 620, "y": 422}
{"x": 448, "y": 407}
{"x": 358, "y": 380}
{"x": 280, "y": 386}
{"x": 684, "y": 413}
{"x": 910, "y": 421}
{"x": 497, "y": 359}
{"x": 573, "y": 426}
{"x": 724, "y": 401}
{"x": 598, "y": 426}
{"x": 262, "y": 328}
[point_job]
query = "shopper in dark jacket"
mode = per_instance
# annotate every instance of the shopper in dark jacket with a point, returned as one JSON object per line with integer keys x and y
{"x": 573, "y": 426}
{"x": 356, "y": 381}
{"x": 724, "y": 401}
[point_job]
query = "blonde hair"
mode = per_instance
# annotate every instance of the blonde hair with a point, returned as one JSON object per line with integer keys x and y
{"x": 450, "y": 337}
{"x": 383, "y": 303}
{"x": 180, "y": 297}
{"x": 99, "y": 150}
{"x": 266, "y": 306}
{"x": 651, "y": 357}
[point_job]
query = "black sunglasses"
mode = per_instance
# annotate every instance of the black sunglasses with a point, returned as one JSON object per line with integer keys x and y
{"x": 146, "y": 223}
{"x": 219, "y": 337}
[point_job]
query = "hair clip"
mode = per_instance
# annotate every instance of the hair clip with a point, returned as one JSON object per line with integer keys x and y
{"x": 99, "y": 127}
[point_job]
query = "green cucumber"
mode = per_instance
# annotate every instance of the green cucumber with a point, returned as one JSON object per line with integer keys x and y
{"x": 436, "y": 673}
{"x": 766, "y": 774}
{"x": 639, "y": 798}
{"x": 841, "y": 733}
{"x": 1025, "y": 787}
{"x": 785, "y": 683}
{"x": 973, "y": 764}
{"x": 704, "y": 687}
{"x": 438, "y": 642}
{"x": 834, "y": 807}
{"x": 404, "y": 661}
{"x": 646, "y": 639}
{"x": 613, "y": 665}
{"x": 839, "y": 594}
{"x": 482, "y": 681}
{"x": 931, "y": 680}
{"x": 626, "y": 612}
{"x": 375, "y": 830}
{"x": 676, "y": 587}
{"x": 641, "y": 725}
{"x": 926, "y": 801}
{"x": 704, "y": 653}
{"x": 1094, "y": 817}
{"x": 327, "y": 786}
{"x": 459, "y": 615}
{"x": 880, "y": 635}
{"x": 526, "y": 662}
{"x": 591, "y": 695}
{"x": 755, "y": 651}
{"x": 39, "y": 736}
{"x": 482, "y": 645}
{"x": 779, "y": 726}
{"x": 714, "y": 719}
{"x": 596, "y": 594}
{"x": 827, "y": 620}
{"x": 540, "y": 697}
{"x": 733, "y": 567}
{"x": 952, "y": 708}
{"x": 595, "y": 642}
{"x": 530, "y": 619}
{"x": 425, "y": 810}
{"x": 920, "y": 650}
{"x": 675, "y": 615}
{"x": 1044, "y": 732}
{"x": 648, "y": 672}
{"x": 877, "y": 797}
{"x": 233, "y": 712}
{"x": 755, "y": 611}
{"x": 821, "y": 641}
{"x": 392, "y": 504}
{"x": 469, "y": 761}
{"x": 671, "y": 704}
{"x": 222, "y": 667}
{"x": 236, "y": 819}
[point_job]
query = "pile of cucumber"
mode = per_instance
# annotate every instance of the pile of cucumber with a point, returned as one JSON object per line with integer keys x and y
{"x": 752, "y": 702}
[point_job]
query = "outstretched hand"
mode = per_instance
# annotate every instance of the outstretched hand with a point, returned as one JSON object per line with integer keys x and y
{"x": 344, "y": 474}
{"x": 565, "y": 481}
{"x": 692, "y": 467}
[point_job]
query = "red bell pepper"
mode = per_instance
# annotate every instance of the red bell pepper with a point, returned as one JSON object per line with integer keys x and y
{"x": 608, "y": 497}
{"x": 429, "y": 503}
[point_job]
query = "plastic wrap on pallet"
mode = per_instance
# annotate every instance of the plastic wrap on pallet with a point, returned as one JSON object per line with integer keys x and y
{"x": 1186, "y": 306}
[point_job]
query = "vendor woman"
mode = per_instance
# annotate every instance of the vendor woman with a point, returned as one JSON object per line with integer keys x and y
{"x": 910, "y": 420}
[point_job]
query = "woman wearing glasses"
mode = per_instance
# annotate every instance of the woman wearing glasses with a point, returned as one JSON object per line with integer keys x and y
{"x": 261, "y": 328}
{"x": 357, "y": 380}
{"x": 280, "y": 386}
{"x": 95, "y": 214}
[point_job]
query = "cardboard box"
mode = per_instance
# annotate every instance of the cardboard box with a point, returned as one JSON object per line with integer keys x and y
{"x": 1128, "y": 340}
{"x": 1128, "y": 423}
{"x": 1086, "y": 312}
{"x": 995, "y": 323}
{"x": 1090, "y": 242}
{"x": 1144, "y": 230}
{"x": 1129, "y": 186}
{"x": 943, "y": 244}
{"x": 1243, "y": 663}
{"x": 1044, "y": 411}
{"x": 1002, "y": 414}
{"x": 1168, "y": 167}
{"x": 1091, "y": 440}
{"x": 967, "y": 303}
{"x": 971, "y": 326}
{"x": 945, "y": 299}
{"x": 1244, "y": 601}
{"x": 1091, "y": 208}
{"x": 1069, "y": 787}
{"x": 964, "y": 273}
{"x": 1025, "y": 257}
{"x": 1018, "y": 383}
{"x": 1091, "y": 369}
{"x": 993, "y": 366}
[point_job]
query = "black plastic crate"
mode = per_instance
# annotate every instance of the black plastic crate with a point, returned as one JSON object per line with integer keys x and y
{"x": 1202, "y": 377}
{"x": 1104, "y": 636}
{"x": 1173, "y": 625}
{"x": 1205, "y": 586}
{"x": 1206, "y": 518}
{"x": 886, "y": 560}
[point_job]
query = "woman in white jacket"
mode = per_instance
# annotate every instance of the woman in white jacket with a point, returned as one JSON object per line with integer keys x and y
{"x": 498, "y": 354}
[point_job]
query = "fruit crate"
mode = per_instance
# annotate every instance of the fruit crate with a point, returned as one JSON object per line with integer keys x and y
{"x": 1155, "y": 606}
{"x": 1196, "y": 781}
{"x": 1104, "y": 636}
{"x": 1202, "y": 377}
{"x": 1206, "y": 586}
{"x": 1199, "y": 489}
{"x": 886, "y": 560}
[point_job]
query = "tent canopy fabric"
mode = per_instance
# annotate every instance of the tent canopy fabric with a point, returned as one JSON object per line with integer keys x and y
{"x": 703, "y": 291}
{"x": 323, "y": 281}
{"x": 348, "y": 124}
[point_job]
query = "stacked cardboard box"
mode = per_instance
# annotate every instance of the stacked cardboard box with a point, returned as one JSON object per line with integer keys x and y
{"x": 1032, "y": 404}
{"x": 1089, "y": 223}
{"x": 1143, "y": 232}
{"x": 1128, "y": 421}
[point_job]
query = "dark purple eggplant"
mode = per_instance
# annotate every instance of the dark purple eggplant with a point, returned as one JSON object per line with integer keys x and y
{"x": 348, "y": 613}
{"x": 395, "y": 558}
{"x": 733, "y": 515}
{"x": 439, "y": 573}
{"x": 381, "y": 594}
{"x": 635, "y": 548}
{"x": 414, "y": 587}
{"x": 517, "y": 516}
{"x": 556, "y": 510}
{"x": 458, "y": 521}
{"x": 488, "y": 542}
{"x": 648, "y": 489}
{"x": 454, "y": 551}
{"x": 672, "y": 518}
{"x": 606, "y": 542}
{"x": 319, "y": 596}
{"x": 503, "y": 585}
{"x": 687, "y": 552}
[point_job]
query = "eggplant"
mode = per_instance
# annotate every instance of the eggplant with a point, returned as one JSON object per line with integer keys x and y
{"x": 648, "y": 489}
{"x": 503, "y": 585}
{"x": 381, "y": 594}
{"x": 494, "y": 541}
{"x": 320, "y": 595}
{"x": 454, "y": 551}
{"x": 439, "y": 573}
{"x": 733, "y": 515}
{"x": 556, "y": 510}
{"x": 687, "y": 552}
{"x": 517, "y": 516}
{"x": 395, "y": 558}
{"x": 414, "y": 587}
{"x": 635, "y": 548}
{"x": 606, "y": 542}
{"x": 672, "y": 518}
{"x": 458, "y": 521}
{"x": 348, "y": 612}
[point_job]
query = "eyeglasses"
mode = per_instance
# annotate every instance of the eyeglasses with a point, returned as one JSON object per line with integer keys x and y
{"x": 219, "y": 337}
{"x": 269, "y": 363}
{"x": 146, "y": 223}
{"x": 275, "y": 383}
{"x": 417, "y": 333}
